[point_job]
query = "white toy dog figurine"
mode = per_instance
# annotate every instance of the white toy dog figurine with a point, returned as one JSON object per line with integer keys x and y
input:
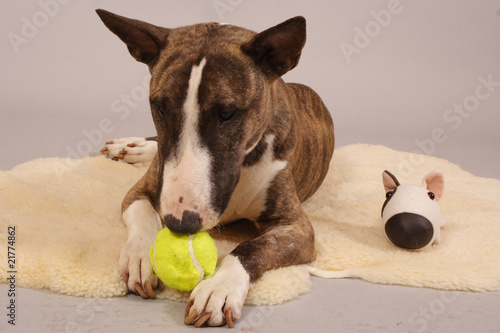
{"x": 411, "y": 213}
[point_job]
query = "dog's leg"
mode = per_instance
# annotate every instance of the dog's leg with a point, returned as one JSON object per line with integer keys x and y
{"x": 143, "y": 223}
{"x": 136, "y": 151}
{"x": 287, "y": 239}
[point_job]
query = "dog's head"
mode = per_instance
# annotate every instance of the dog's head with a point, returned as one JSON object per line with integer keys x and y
{"x": 411, "y": 213}
{"x": 211, "y": 96}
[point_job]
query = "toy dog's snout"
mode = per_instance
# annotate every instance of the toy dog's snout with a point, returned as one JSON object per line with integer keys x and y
{"x": 409, "y": 231}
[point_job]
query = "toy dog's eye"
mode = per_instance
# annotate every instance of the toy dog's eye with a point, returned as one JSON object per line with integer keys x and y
{"x": 389, "y": 194}
{"x": 431, "y": 195}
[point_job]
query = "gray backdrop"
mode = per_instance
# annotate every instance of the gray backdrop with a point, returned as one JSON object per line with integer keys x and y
{"x": 412, "y": 75}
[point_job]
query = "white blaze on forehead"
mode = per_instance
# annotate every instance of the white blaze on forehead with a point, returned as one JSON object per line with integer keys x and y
{"x": 187, "y": 176}
{"x": 191, "y": 108}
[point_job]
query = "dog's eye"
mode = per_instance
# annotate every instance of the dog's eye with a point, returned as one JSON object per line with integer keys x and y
{"x": 431, "y": 195}
{"x": 389, "y": 194}
{"x": 226, "y": 115}
{"x": 159, "y": 105}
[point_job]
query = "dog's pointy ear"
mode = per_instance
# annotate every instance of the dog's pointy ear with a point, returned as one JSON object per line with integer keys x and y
{"x": 390, "y": 181}
{"x": 144, "y": 40}
{"x": 277, "y": 50}
{"x": 434, "y": 182}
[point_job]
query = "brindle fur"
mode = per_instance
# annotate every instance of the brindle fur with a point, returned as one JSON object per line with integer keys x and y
{"x": 244, "y": 78}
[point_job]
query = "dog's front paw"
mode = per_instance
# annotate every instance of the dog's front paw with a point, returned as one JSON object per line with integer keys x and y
{"x": 136, "y": 269}
{"x": 218, "y": 300}
{"x": 136, "y": 151}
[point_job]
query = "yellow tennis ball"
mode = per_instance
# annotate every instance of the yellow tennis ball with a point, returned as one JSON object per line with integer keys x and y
{"x": 182, "y": 261}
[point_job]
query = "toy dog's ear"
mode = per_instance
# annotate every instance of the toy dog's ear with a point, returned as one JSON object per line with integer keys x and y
{"x": 390, "y": 181}
{"x": 434, "y": 182}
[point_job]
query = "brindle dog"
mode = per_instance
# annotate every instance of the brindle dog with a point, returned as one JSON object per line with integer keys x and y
{"x": 234, "y": 142}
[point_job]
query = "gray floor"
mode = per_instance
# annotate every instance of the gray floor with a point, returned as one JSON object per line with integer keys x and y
{"x": 332, "y": 306}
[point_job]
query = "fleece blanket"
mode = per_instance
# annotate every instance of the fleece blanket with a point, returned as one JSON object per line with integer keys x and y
{"x": 68, "y": 230}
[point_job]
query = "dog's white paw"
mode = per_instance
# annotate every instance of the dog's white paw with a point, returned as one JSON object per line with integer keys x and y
{"x": 218, "y": 300}
{"x": 136, "y": 151}
{"x": 143, "y": 224}
{"x": 136, "y": 269}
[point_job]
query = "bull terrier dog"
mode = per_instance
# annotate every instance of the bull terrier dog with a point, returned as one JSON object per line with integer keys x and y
{"x": 410, "y": 213}
{"x": 234, "y": 143}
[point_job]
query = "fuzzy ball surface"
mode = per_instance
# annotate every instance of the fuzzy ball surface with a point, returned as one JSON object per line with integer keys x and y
{"x": 182, "y": 261}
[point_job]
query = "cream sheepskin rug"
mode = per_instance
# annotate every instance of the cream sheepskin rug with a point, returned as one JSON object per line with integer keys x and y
{"x": 69, "y": 231}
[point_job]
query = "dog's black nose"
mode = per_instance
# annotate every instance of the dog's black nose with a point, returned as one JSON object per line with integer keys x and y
{"x": 190, "y": 224}
{"x": 409, "y": 231}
